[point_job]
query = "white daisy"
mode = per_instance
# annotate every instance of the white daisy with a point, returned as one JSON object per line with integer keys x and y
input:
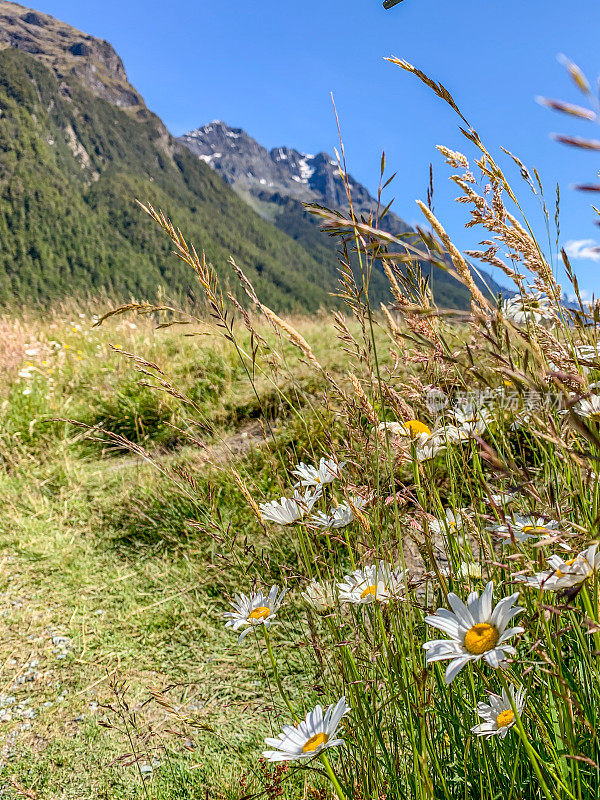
{"x": 254, "y": 609}
{"x": 534, "y": 307}
{"x": 427, "y": 443}
{"x": 502, "y": 498}
{"x": 404, "y": 435}
{"x": 471, "y": 419}
{"x": 525, "y": 528}
{"x": 310, "y": 737}
{"x": 467, "y": 570}
{"x": 339, "y": 517}
{"x": 379, "y": 582}
{"x": 437, "y": 442}
{"x": 321, "y": 596}
{"x": 412, "y": 428}
{"x": 566, "y": 574}
{"x": 498, "y": 713}
{"x": 392, "y": 428}
{"x": 589, "y": 353}
{"x": 477, "y": 629}
{"x": 452, "y": 522}
{"x": 289, "y": 510}
{"x": 588, "y": 407}
{"x": 327, "y": 472}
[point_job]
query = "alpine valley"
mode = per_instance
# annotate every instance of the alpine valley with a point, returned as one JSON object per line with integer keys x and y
{"x": 78, "y": 146}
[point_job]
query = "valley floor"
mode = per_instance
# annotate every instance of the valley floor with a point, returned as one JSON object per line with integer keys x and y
{"x": 111, "y": 585}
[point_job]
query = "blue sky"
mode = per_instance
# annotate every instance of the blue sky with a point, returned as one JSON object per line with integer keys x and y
{"x": 269, "y": 67}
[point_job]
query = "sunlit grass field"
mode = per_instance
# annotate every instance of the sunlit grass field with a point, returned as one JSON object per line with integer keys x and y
{"x": 105, "y": 571}
{"x": 353, "y": 556}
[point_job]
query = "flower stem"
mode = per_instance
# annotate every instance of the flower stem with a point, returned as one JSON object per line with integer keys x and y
{"x": 276, "y": 674}
{"x": 336, "y": 784}
{"x": 533, "y": 756}
{"x": 587, "y": 604}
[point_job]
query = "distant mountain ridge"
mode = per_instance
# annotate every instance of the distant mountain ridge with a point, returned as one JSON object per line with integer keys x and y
{"x": 77, "y": 147}
{"x": 251, "y": 169}
{"x": 277, "y": 182}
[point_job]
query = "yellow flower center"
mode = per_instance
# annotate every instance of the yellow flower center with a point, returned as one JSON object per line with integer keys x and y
{"x": 534, "y": 529}
{"x": 314, "y": 742}
{"x": 481, "y": 638}
{"x": 505, "y": 718}
{"x": 414, "y": 427}
{"x": 262, "y": 612}
{"x": 369, "y": 590}
{"x": 559, "y": 573}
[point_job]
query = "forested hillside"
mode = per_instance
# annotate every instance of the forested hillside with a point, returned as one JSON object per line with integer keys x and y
{"x": 72, "y": 165}
{"x": 78, "y": 146}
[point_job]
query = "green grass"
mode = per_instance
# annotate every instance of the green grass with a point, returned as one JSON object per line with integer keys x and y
{"x": 96, "y": 546}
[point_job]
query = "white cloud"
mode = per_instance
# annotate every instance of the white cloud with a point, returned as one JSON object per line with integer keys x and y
{"x": 582, "y": 249}
{"x": 585, "y": 296}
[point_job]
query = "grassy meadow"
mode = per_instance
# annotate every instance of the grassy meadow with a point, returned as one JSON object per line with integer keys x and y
{"x": 104, "y": 569}
{"x": 365, "y": 541}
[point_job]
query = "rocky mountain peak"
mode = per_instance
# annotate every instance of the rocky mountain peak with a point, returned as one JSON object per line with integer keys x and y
{"x": 68, "y": 51}
{"x": 282, "y": 172}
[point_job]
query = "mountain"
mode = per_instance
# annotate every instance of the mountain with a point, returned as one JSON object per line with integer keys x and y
{"x": 68, "y": 52}
{"x": 277, "y": 182}
{"x": 77, "y": 147}
{"x": 252, "y": 169}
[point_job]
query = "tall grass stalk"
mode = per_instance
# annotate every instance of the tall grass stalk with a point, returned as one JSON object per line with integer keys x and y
{"x": 442, "y": 494}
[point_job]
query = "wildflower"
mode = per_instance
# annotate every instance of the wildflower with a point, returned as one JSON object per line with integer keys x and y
{"x": 498, "y": 713}
{"x": 452, "y": 522}
{"x": 414, "y": 433}
{"x": 27, "y": 390}
{"x": 589, "y": 408}
{"x": 321, "y": 596}
{"x": 339, "y": 517}
{"x": 412, "y": 429}
{"x": 415, "y": 428}
{"x": 525, "y": 528}
{"x": 378, "y": 582}
{"x": 566, "y": 574}
{"x": 310, "y": 737}
{"x": 534, "y": 307}
{"x": 477, "y": 630}
{"x": 402, "y": 433}
{"x": 437, "y": 442}
{"x": 590, "y": 353}
{"x": 467, "y": 570}
{"x": 253, "y": 609}
{"x": 502, "y": 498}
{"x": 327, "y": 472}
{"x": 289, "y": 510}
{"x": 471, "y": 420}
